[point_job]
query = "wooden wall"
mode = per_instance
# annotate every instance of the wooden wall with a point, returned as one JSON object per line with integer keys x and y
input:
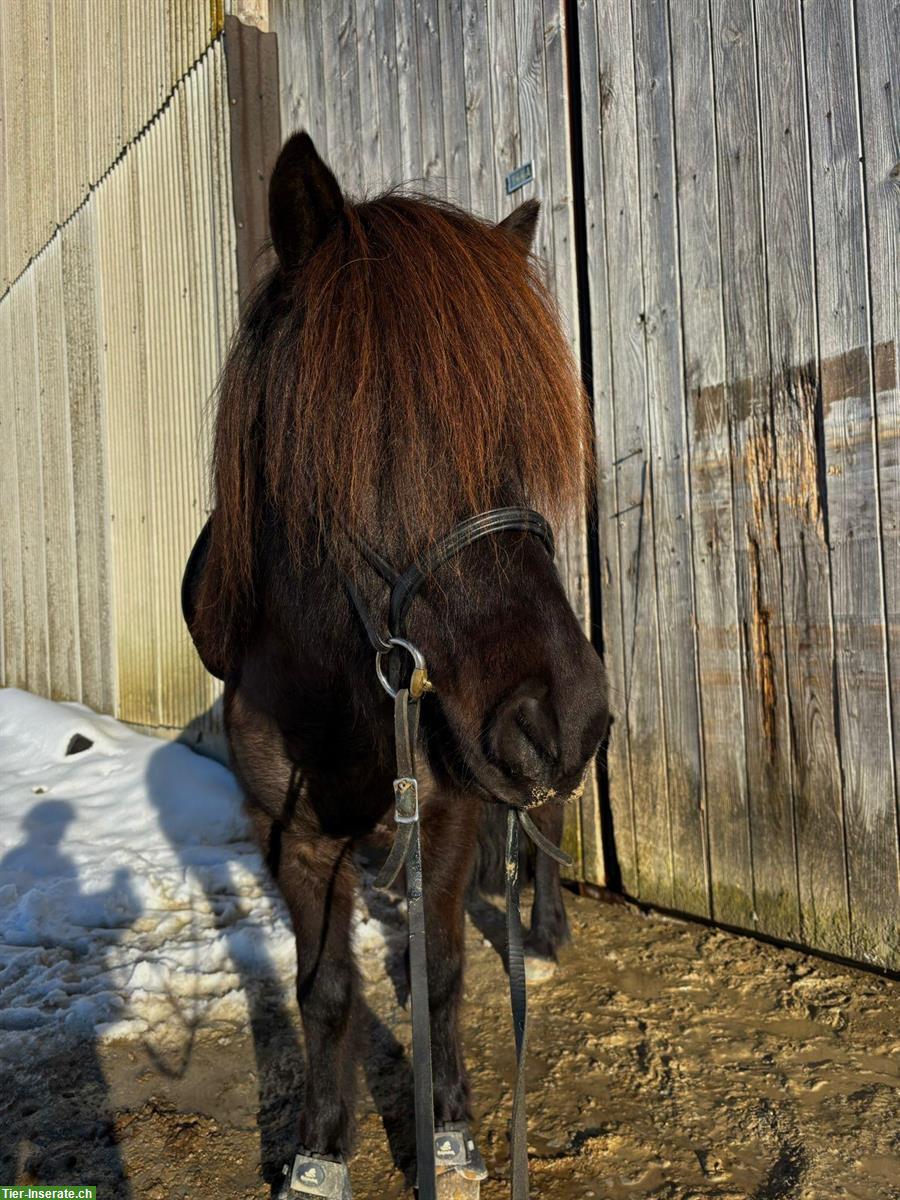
{"x": 449, "y": 96}
{"x": 742, "y": 186}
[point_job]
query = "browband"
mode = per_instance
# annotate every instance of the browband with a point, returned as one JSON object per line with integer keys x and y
{"x": 405, "y": 585}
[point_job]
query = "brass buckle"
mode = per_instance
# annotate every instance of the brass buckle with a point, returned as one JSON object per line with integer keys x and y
{"x": 406, "y": 800}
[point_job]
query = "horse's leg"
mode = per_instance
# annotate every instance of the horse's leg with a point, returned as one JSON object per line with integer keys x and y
{"x": 449, "y": 833}
{"x": 549, "y": 924}
{"x": 318, "y": 881}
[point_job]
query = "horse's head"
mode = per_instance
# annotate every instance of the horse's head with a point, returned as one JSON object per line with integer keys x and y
{"x": 520, "y": 703}
{"x": 401, "y": 370}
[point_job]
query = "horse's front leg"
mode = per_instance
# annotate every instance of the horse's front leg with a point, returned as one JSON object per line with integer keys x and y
{"x": 449, "y": 835}
{"x": 549, "y": 925}
{"x": 318, "y": 881}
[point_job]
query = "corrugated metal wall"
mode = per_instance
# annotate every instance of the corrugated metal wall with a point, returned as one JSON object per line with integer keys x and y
{"x": 450, "y": 98}
{"x": 78, "y": 80}
{"x": 114, "y": 330}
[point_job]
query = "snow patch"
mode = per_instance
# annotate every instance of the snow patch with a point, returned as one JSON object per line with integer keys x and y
{"x": 133, "y": 902}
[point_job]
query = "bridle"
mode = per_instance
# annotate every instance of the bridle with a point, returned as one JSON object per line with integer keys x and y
{"x": 406, "y": 850}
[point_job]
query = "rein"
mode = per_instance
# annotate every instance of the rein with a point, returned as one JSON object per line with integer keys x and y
{"x": 406, "y": 850}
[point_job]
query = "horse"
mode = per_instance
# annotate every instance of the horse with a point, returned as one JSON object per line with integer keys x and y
{"x": 401, "y": 368}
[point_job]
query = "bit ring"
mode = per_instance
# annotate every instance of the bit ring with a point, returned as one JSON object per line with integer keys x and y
{"x": 418, "y": 664}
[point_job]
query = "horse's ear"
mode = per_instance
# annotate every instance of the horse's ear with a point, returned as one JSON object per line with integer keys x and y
{"x": 305, "y": 201}
{"x": 521, "y": 224}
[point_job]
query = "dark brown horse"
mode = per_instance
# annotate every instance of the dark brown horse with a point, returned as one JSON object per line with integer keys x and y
{"x": 401, "y": 369}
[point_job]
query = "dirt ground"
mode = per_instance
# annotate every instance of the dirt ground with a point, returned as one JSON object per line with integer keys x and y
{"x": 668, "y": 1061}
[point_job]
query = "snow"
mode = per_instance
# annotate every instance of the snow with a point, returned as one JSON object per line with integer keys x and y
{"x": 133, "y": 902}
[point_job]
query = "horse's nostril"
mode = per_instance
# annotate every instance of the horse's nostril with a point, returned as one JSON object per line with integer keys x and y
{"x": 537, "y": 722}
{"x": 526, "y": 738}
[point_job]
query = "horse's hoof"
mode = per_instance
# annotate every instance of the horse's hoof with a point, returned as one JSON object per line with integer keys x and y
{"x": 539, "y": 969}
{"x": 314, "y": 1176}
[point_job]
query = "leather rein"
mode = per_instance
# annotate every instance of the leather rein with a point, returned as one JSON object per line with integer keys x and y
{"x": 407, "y": 693}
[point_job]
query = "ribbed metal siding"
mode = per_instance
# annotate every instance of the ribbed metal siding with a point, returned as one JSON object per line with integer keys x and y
{"x": 78, "y": 80}
{"x": 112, "y": 339}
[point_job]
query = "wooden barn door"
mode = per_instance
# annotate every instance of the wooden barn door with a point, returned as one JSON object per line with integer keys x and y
{"x": 462, "y": 99}
{"x": 742, "y": 217}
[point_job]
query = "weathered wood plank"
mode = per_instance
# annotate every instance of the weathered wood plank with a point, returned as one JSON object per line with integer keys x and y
{"x": 709, "y": 460}
{"x": 453, "y": 101}
{"x": 431, "y": 95}
{"x": 534, "y": 138}
{"x": 774, "y": 902}
{"x": 544, "y": 117}
{"x": 559, "y": 216}
{"x": 340, "y": 70}
{"x": 479, "y": 123}
{"x": 878, "y": 32}
{"x": 851, "y": 478}
{"x": 668, "y": 454}
{"x": 367, "y": 73}
{"x": 411, "y": 143}
{"x": 633, "y": 516}
{"x": 299, "y": 87}
{"x": 618, "y": 765}
{"x": 793, "y": 338}
{"x": 301, "y": 68}
{"x": 388, "y": 95}
{"x": 504, "y": 98}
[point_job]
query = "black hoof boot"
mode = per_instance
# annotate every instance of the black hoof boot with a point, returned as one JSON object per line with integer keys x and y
{"x": 460, "y": 1167}
{"x": 314, "y": 1176}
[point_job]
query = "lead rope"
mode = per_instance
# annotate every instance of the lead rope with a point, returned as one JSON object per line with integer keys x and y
{"x": 518, "y": 998}
{"x": 517, "y": 819}
{"x": 406, "y": 851}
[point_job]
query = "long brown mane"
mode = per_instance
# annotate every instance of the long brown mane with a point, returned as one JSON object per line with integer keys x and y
{"x": 412, "y": 372}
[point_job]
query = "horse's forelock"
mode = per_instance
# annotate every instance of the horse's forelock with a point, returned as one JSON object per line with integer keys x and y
{"x": 411, "y": 373}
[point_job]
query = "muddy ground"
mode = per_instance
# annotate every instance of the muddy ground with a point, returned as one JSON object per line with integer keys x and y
{"x": 668, "y": 1061}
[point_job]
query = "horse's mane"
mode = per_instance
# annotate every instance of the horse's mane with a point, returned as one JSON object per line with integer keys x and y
{"x": 411, "y": 373}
